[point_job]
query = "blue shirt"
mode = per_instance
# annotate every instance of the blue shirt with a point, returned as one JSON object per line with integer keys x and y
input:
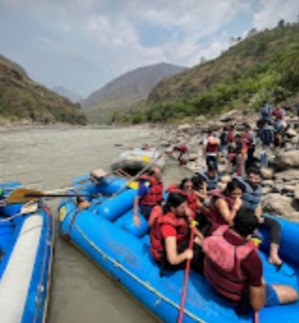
{"x": 144, "y": 188}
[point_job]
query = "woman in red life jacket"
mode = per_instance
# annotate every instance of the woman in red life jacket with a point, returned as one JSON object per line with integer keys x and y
{"x": 234, "y": 268}
{"x": 225, "y": 204}
{"x": 169, "y": 235}
{"x": 150, "y": 193}
{"x": 193, "y": 200}
{"x": 186, "y": 188}
{"x": 195, "y": 209}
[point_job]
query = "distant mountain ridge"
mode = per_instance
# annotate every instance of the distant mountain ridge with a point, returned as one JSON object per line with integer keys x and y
{"x": 73, "y": 97}
{"x": 127, "y": 90}
{"x": 23, "y": 99}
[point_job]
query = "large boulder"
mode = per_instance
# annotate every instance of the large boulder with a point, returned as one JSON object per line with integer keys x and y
{"x": 278, "y": 204}
{"x": 267, "y": 173}
{"x": 287, "y": 160}
{"x": 290, "y": 175}
{"x": 184, "y": 127}
{"x": 296, "y": 193}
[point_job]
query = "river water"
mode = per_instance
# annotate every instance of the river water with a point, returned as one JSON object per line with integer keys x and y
{"x": 48, "y": 159}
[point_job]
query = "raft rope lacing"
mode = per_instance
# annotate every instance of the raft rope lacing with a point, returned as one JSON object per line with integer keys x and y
{"x": 129, "y": 273}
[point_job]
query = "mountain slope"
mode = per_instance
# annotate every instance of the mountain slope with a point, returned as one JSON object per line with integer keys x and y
{"x": 263, "y": 66}
{"x": 126, "y": 90}
{"x": 67, "y": 94}
{"x": 23, "y": 99}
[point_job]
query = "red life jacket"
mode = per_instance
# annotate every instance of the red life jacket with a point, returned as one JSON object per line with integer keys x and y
{"x": 191, "y": 198}
{"x": 212, "y": 145}
{"x": 155, "y": 194}
{"x": 214, "y": 212}
{"x": 223, "y": 264}
{"x": 231, "y": 136}
{"x": 173, "y": 188}
{"x": 192, "y": 201}
{"x": 155, "y": 213}
{"x": 277, "y": 113}
{"x": 157, "y": 242}
{"x": 246, "y": 141}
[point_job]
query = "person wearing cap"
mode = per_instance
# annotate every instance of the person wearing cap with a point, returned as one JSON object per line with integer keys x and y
{"x": 234, "y": 269}
{"x": 211, "y": 146}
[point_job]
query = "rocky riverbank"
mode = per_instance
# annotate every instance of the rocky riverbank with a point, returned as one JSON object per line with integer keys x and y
{"x": 280, "y": 181}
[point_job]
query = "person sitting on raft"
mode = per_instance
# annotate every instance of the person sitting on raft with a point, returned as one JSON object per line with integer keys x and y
{"x": 210, "y": 177}
{"x": 186, "y": 188}
{"x": 169, "y": 235}
{"x": 200, "y": 187}
{"x": 149, "y": 194}
{"x": 225, "y": 204}
{"x": 251, "y": 199}
{"x": 234, "y": 268}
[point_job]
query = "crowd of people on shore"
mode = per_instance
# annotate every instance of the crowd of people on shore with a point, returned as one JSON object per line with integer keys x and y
{"x": 239, "y": 148}
{"x": 225, "y": 222}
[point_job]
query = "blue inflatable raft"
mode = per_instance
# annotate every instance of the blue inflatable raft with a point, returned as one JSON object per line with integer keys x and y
{"x": 105, "y": 232}
{"x": 26, "y": 245}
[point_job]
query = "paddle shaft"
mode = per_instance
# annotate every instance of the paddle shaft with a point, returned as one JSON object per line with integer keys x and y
{"x": 55, "y": 195}
{"x": 137, "y": 175}
{"x": 186, "y": 277}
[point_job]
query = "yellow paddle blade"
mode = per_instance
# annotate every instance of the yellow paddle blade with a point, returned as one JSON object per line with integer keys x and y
{"x": 20, "y": 195}
{"x": 134, "y": 185}
{"x": 146, "y": 159}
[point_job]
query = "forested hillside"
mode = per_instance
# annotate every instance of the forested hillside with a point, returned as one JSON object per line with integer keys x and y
{"x": 262, "y": 66}
{"x": 23, "y": 99}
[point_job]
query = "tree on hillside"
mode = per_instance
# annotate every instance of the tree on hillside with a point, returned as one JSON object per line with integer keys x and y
{"x": 252, "y": 32}
{"x": 281, "y": 23}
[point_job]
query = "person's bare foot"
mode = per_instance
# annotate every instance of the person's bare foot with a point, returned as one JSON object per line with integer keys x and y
{"x": 275, "y": 260}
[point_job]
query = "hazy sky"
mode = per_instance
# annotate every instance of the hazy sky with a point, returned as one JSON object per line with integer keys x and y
{"x": 83, "y": 44}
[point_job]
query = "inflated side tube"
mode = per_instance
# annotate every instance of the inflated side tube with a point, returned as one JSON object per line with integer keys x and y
{"x": 111, "y": 185}
{"x": 113, "y": 208}
{"x": 129, "y": 225}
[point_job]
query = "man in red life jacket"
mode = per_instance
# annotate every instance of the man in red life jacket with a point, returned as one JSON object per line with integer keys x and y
{"x": 211, "y": 147}
{"x": 150, "y": 193}
{"x": 234, "y": 269}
